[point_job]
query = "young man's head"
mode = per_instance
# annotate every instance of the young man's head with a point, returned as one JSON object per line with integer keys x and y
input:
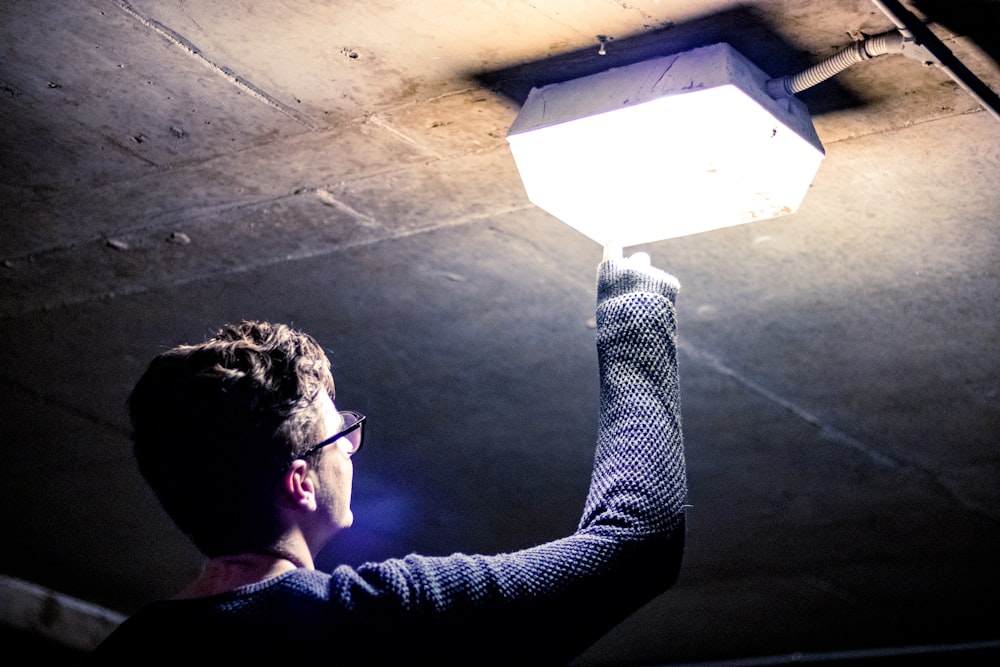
{"x": 216, "y": 427}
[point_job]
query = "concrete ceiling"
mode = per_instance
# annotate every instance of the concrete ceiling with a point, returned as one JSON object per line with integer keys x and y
{"x": 171, "y": 165}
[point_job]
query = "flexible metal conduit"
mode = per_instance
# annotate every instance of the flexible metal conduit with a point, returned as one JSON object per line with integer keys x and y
{"x": 877, "y": 45}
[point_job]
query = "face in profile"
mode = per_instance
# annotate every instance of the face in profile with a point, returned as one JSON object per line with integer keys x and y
{"x": 334, "y": 472}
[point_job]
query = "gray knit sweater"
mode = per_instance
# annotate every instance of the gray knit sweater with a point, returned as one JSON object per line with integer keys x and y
{"x": 542, "y": 605}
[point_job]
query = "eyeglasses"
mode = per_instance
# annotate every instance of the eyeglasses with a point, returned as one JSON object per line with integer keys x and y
{"x": 353, "y": 432}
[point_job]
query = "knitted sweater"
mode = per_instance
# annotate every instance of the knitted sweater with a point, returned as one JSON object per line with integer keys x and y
{"x": 542, "y": 605}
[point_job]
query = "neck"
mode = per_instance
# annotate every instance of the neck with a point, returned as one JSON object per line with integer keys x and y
{"x": 227, "y": 573}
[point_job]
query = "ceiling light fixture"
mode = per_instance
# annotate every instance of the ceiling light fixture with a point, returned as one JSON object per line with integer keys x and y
{"x": 691, "y": 142}
{"x": 666, "y": 147}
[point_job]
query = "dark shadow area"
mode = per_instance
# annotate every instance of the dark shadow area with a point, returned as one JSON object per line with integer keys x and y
{"x": 979, "y": 20}
{"x": 25, "y": 646}
{"x": 951, "y": 656}
{"x": 940, "y": 51}
{"x": 743, "y": 28}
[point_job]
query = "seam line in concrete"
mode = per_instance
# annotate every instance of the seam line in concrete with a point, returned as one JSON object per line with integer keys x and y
{"x": 826, "y": 431}
{"x": 190, "y": 278}
{"x": 378, "y": 122}
{"x": 902, "y": 128}
{"x": 15, "y": 384}
{"x": 326, "y": 197}
{"x": 835, "y": 435}
{"x": 188, "y": 47}
{"x": 171, "y": 216}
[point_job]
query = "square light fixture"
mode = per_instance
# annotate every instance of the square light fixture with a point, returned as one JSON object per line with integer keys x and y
{"x": 666, "y": 147}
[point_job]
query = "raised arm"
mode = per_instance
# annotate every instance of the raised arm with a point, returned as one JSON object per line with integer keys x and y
{"x": 639, "y": 484}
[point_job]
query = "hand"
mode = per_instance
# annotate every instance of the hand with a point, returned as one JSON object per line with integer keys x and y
{"x": 614, "y": 251}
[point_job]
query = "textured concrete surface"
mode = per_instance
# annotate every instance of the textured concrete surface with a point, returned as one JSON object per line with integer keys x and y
{"x": 341, "y": 166}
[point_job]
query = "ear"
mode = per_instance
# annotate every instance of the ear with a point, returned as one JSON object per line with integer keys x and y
{"x": 300, "y": 485}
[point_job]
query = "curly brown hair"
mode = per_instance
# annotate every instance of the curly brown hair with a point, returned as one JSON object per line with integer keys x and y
{"x": 215, "y": 425}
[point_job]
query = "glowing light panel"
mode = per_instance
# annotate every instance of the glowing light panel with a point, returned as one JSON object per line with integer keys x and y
{"x": 664, "y": 148}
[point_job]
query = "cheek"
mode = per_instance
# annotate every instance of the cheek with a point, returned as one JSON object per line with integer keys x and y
{"x": 342, "y": 475}
{"x": 349, "y": 476}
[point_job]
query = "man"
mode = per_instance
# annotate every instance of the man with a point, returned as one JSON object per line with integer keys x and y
{"x": 242, "y": 443}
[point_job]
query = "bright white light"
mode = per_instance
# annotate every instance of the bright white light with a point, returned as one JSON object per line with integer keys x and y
{"x": 665, "y": 148}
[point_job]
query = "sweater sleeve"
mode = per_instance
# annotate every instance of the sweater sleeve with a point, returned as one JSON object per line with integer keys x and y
{"x": 639, "y": 486}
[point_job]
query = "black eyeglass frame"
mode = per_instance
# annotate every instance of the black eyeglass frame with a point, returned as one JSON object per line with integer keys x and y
{"x": 359, "y": 424}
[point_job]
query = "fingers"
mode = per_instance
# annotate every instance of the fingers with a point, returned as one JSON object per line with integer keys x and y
{"x": 639, "y": 259}
{"x": 639, "y": 263}
{"x": 613, "y": 250}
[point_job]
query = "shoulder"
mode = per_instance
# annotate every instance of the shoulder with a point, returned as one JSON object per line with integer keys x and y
{"x": 273, "y": 608}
